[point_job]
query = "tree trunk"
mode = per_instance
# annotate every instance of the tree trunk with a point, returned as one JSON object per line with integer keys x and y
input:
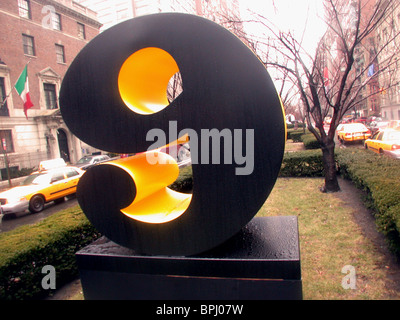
{"x": 328, "y": 158}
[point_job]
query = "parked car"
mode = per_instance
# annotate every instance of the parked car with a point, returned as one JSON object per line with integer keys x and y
{"x": 362, "y": 120}
{"x": 180, "y": 152}
{"x": 327, "y": 120}
{"x": 378, "y": 125}
{"x": 348, "y": 118}
{"x": 353, "y": 132}
{"x": 385, "y": 141}
{"x": 41, "y": 187}
{"x": 89, "y": 161}
{"x": 394, "y": 124}
{"x": 51, "y": 164}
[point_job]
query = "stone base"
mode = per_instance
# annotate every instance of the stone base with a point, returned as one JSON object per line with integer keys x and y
{"x": 261, "y": 262}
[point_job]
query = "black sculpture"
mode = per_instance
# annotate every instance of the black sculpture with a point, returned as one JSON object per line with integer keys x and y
{"x": 227, "y": 92}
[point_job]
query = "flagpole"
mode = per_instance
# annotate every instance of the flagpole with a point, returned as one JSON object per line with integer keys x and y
{"x": 3, "y": 148}
{"x": 5, "y": 100}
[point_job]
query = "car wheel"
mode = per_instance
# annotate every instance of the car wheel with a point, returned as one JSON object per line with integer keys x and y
{"x": 36, "y": 204}
{"x": 365, "y": 145}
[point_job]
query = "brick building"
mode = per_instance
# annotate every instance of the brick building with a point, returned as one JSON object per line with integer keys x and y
{"x": 46, "y": 35}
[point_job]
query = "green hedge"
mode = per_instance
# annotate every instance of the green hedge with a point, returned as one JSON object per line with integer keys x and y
{"x": 379, "y": 177}
{"x": 295, "y": 134}
{"x": 53, "y": 241}
{"x": 302, "y": 164}
{"x": 309, "y": 141}
{"x": 27, "y": 249}
{"x": 184, "y": 182}
{"x": 305, "y": 136}
{"x": 291, "y": 126}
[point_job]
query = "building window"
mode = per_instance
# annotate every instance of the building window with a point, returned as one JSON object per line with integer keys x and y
{"x": 28, "y": 43}
{"x": 122, "y": 14}
{"x": 81, "y": 31}
{"x": 6, "y": 140}
{"x": 56, "y": 21}
{"x": 50, "y": 95}
{"x": 3, "y": 95}
{"x": 60, "y": 53}
{"x": 24, "y": 9}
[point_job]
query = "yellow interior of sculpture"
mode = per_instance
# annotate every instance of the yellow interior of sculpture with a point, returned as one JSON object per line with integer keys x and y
{"x": 142, "y": 83}
{"x": 284, "y": 116}
{"x": 154, "y": 201}
{"x": 143, "y": 80}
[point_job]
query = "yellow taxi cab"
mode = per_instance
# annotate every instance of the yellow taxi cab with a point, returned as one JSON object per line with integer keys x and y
{"x": 353, "y": 132}
{"x": 385, "y": 141}
{"x": 39, "y": 188}
{"x": 394, "y": 124}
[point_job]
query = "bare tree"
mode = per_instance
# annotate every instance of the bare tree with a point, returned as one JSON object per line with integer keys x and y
{"x": 174, "y": 88}
{"x": 330, "y": 80}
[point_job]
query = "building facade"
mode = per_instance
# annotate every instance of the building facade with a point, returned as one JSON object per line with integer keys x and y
{"x": 111, "y": 12}
{"x": 376, "y": 65}
{"x": 362, "y": 82}
{"x": 388, "y": 43}
{"x": 45, "y": 35}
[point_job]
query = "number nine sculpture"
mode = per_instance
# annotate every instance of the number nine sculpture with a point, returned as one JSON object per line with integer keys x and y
{"x": 114, "y": 95}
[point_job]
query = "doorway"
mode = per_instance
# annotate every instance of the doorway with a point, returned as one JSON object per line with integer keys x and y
{"x": 63, "y": 145}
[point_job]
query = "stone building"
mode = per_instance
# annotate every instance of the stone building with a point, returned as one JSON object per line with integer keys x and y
{"x": 388, "y": 42}
{"x": 46, "y": 35}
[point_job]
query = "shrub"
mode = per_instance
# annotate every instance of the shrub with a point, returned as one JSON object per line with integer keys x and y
{"x": 184, "y": 182}
{"x": 295, "y": 134}
{"x": 26, "y": 250}
{"x": 379, "y": 177}
{"x": 302, "y": 164}
{"x": 53, "y": 241}
{"x": 310, "y": 142}
{"x": 291, "y": 125}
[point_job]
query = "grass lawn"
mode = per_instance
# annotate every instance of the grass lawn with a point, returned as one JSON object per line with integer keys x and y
{"x": 332, "y": 229}
{"x": 330, "y": 239}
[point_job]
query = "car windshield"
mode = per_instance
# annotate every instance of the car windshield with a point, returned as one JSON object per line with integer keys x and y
{"x": 84, "y": 160}
{"x": 37, "y": 178}
{"x": 394, "y": 135}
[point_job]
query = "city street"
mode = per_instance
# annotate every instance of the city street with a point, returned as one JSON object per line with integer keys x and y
{"x": 12, "y": 221}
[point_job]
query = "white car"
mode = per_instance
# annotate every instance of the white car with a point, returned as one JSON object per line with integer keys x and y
{"x": 89, "y": 161}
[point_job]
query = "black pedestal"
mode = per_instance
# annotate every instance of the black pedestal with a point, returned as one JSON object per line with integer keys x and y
{"x": 261, "y": 262}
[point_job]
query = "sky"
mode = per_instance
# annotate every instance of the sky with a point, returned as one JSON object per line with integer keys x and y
{"x": 290, "y": 15}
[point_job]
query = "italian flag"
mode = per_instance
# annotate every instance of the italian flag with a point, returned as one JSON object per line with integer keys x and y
{"x": 22, "y": 87}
